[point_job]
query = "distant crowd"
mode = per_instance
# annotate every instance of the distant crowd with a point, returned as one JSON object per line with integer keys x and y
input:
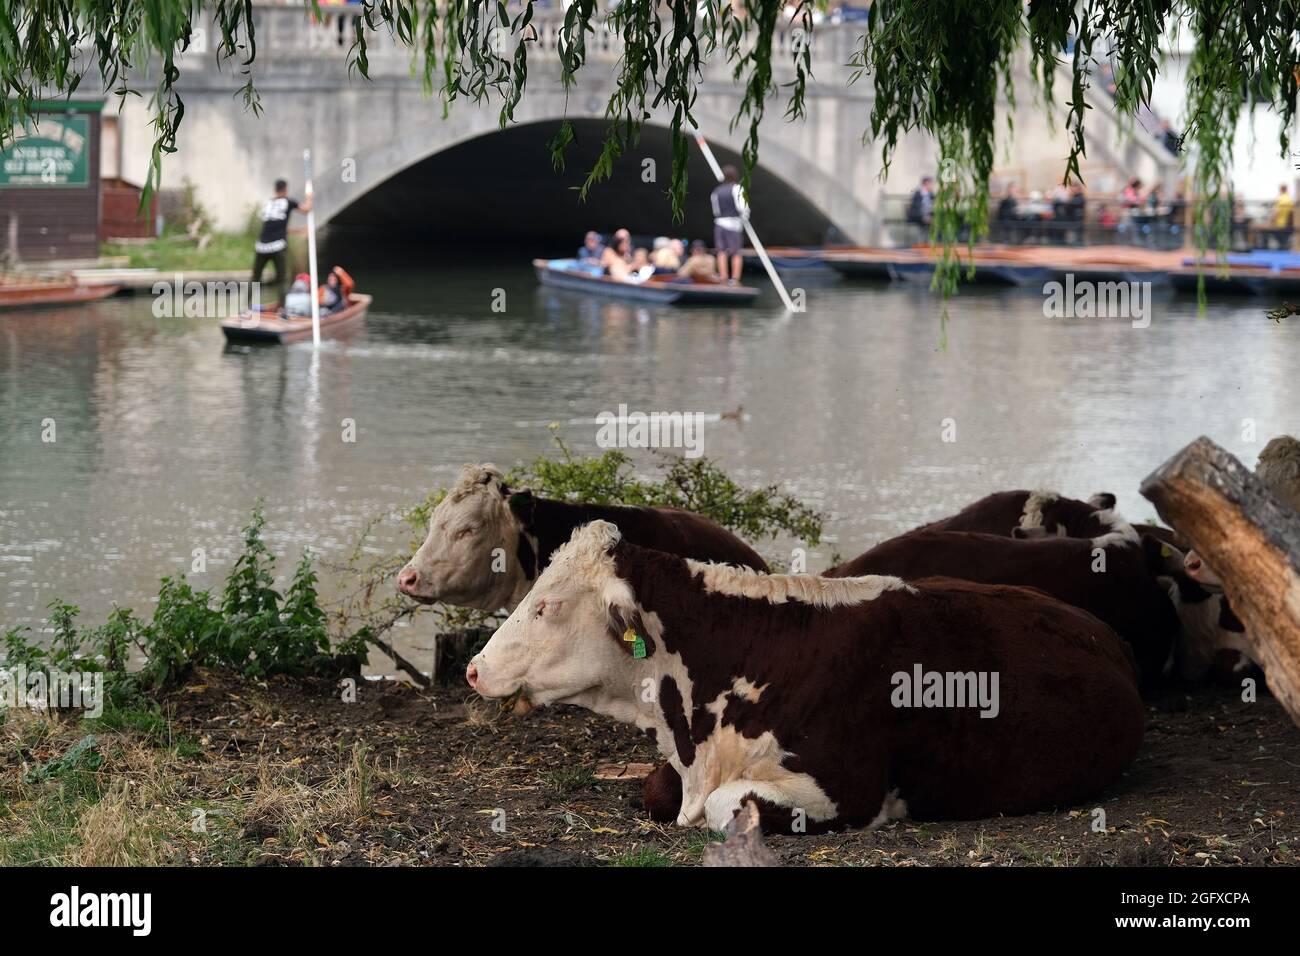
{"x": 1139, "y": 215}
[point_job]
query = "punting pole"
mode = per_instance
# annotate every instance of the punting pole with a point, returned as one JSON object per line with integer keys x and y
{"x": 311, "y": 251}
{"x": 749, "y": 227}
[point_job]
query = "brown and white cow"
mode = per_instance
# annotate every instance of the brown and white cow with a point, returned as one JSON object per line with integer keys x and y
{"x": 1212, "y": 641}
{"x": 1031, "y": 514}
{"x": 487, "y": 543}
{"x": 1107, "y": 576}
{"x": 793, "y": 690}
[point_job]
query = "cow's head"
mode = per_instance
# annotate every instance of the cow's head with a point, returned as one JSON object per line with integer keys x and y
{"x": 568, "y": 640}
{"x": 471, "y": 555}
{"x": 1047, "y": 514}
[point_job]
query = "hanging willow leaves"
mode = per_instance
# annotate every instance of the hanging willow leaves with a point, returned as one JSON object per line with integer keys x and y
{"x": 938, "y": 68}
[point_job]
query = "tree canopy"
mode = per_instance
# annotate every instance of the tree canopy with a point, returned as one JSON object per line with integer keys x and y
{"x": 936, "y": 67}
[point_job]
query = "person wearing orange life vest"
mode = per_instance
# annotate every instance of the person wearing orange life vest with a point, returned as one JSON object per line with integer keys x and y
{"x": 336, "y": 293}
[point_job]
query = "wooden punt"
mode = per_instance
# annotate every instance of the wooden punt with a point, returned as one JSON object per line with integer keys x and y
{"x": 267, "y": 328}
{"x": 38, "y": 295}
{"x": 660, "y": 288}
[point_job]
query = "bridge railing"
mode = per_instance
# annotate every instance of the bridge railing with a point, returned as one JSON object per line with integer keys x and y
{"x": 289, "y": 30}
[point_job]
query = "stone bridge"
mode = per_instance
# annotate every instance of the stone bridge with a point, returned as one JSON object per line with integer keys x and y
{"x": 386, "y": 158}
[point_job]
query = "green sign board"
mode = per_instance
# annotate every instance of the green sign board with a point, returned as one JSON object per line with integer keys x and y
{"x": 53, "y": 152}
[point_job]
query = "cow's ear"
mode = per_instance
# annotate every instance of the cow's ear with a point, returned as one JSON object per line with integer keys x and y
{"x": 522, "y": 504}
{"x": 1102, "y": 500}
{"x": 628, "y": 630}
{"x": 1161, "y": 557}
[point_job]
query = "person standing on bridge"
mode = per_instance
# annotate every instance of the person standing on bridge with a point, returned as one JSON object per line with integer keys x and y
{"x": 729, "y": 213}
{"x": 272, "y": 242}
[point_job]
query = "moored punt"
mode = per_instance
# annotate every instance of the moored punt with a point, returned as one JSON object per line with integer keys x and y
{"x": 790, "y": 258}
{"x": 663, "y": 289}
{"x": 993, "y": 265}
{"x": 269, "y": 329}
{"x": 863, "y": 263}
{"x": 37, "y": 294}
{"x": 1261, "y": 272}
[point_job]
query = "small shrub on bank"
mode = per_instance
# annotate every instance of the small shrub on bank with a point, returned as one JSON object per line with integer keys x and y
{"x": 252, "y": 629}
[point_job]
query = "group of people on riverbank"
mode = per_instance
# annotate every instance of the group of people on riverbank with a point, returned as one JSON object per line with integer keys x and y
{"x": 620, "y": 259}
{"x": 1138, "y": 214}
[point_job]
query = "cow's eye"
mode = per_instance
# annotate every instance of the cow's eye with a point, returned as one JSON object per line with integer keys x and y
{"x": 464, "y": 533}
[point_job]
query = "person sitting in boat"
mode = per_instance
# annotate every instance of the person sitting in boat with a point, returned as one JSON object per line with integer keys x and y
{"x": 700, "y": 265}
{"x": 668, "y": 254}
{"x": 592, "y": 249}
{"x": 641, "y": 267}
{"x": 331, "y": 295}
{"x": 336, "y": 293}
{"x": 298, "y": 300}
{"x": 616, "y": 259}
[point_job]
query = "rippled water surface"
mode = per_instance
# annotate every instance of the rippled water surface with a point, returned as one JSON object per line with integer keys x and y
{"x": 165, "y": 439}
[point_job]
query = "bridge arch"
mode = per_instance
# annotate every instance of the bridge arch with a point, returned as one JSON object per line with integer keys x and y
{"x": 467, "y": 178}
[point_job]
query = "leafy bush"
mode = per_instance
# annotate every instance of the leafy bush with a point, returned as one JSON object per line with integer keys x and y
{"x": 253, "y": 630}
{"x": 695, "y": 484}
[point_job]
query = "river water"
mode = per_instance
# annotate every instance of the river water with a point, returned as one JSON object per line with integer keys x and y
{"x": 164, "y": 439}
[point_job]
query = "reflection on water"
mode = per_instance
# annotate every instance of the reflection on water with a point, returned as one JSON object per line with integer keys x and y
{"x": 165, "y": 439}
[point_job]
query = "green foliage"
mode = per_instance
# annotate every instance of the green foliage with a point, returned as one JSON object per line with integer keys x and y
{"x": 83, "y": 755}
{"x": 936, "y": 67}
{"x": 253, "y": 630}
{"x": 694, "y": 484}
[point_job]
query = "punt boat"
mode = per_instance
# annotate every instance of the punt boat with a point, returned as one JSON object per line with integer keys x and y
{"x": 663, "y": 289}
{"x": 268, "y": 328}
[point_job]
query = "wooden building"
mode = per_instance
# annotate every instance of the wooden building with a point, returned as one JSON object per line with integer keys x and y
{"x": 49, "y": 185}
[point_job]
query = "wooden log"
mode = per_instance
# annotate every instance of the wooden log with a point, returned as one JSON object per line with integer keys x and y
{"x": 1249, "y": 539}
{"x": 744, "y": 844}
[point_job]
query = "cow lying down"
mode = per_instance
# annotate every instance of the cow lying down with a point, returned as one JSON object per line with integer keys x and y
{"x": 796, "y": 690}
{"x": 1107, "y": 576}
{"x": 1031, "y": 514}
{"x": 487, "y": 542}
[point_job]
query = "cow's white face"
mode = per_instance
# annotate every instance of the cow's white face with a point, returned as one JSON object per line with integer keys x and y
{"x": 556, "y": 646}
{"x": 470, "y": 555}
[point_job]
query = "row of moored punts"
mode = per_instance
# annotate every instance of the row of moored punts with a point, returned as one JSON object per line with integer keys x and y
{"x": 1259, "y": 272}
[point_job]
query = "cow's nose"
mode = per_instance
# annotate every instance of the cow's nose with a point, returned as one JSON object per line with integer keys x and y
{"x": 471, "y": 675}
{"x": 408, "y": 580}
{"x": 1192, "y": 563}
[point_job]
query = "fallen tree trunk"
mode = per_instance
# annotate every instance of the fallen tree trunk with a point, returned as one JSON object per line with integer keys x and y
{"x": 1251, "y": 541}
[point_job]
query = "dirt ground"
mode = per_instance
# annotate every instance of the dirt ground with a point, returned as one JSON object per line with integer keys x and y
{"x": 285, "y": 773}
{"x": 1217, "y": 782}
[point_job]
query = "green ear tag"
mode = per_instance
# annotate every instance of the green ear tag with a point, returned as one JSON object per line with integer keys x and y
{"x": 638, "y": 647}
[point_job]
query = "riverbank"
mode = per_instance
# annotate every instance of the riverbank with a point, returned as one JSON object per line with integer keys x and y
{"x": 285, "y": 772}
{"x": 213, "y": 252}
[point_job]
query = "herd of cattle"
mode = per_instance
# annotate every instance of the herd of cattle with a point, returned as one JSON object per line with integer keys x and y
{"x": 859, "y": 695}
